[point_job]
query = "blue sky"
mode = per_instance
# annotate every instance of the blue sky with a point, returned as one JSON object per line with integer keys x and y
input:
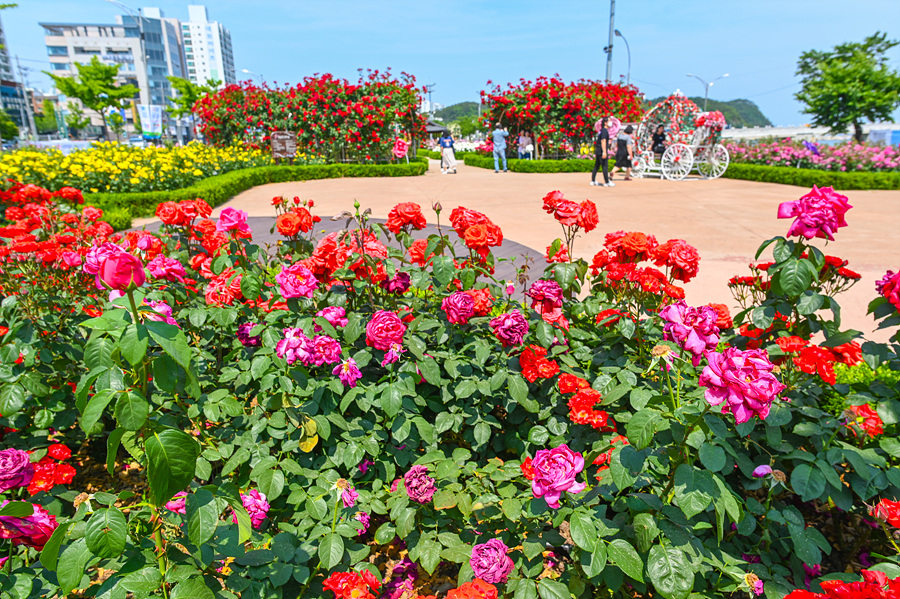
{"x": 459, "y": 45}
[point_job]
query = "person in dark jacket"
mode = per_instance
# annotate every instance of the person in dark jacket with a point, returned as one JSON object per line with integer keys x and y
{"x": 624, "y": 152}
{"x": 659, "y": 140}
{"x": 601, "y": 155}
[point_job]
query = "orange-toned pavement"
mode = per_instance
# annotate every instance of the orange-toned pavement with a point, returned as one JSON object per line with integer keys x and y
{"x": 725, "y": 219}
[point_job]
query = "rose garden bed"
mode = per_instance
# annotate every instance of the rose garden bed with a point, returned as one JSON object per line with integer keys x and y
{"x": 187, "y": 415}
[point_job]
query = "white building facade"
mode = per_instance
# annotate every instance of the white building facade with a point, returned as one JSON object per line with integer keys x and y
{"x": 207, "y": 48}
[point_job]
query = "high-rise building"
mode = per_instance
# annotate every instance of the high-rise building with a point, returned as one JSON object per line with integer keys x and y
{"x": 12, "y": 94}
{"x": 6, "y": 68}
{"x": 207, "y": 48}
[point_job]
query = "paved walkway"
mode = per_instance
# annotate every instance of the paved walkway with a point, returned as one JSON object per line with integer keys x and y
{"x": 725, "y": 219}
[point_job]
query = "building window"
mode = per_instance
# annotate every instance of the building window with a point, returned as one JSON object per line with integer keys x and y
{"x": 57, "y": 50}
{"x": 60, "y": 66}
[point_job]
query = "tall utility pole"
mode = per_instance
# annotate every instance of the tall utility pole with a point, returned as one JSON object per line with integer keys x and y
{"x": 28, "y": 107}
{"x": 612, "y": 32}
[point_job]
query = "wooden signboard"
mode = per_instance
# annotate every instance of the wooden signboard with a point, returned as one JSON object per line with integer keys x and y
{"x": 284, "y": 144}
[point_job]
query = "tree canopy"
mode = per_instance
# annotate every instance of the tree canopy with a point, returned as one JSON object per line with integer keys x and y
{"x": 188, "y": 94}
{"x": 95, "y": 86}
{"x": 850, "y": 84}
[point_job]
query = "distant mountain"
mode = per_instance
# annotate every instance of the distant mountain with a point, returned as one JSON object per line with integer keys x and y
{"x": 738, "y": 113}
{"x": 455, "y": 112}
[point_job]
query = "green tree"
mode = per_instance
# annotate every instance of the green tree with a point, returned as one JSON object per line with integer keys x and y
{"x": 46, "y": 119}
{"x": 8, "y": 129}
{"x": 468, "y": 125}
{"x": 95, "y": 85}
{"x": 116, "y": 123}
{"x": 188, "y": 93}
{"x": 849, "y": 84}
{"x": 75, "y": 119}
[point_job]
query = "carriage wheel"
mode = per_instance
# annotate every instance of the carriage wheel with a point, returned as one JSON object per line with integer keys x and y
{"x": 677, "y": 162}
{"x": 639, "y": 168}
{"x": 716, "y": 163}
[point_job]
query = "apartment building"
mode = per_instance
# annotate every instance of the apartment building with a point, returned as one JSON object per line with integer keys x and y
{"x": 207, "y": 48}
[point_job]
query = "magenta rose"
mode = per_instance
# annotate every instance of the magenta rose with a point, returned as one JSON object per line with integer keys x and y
{"x": 459, "y": 307}
{"x": 555, "y": 471}
{"x": 419, "y": 486}
{"x": 176, "y": 504}
{"x": 510, "y": 328}
{"x": 120, "y": 272}
{"x": 335, "y": 315}
{"x": 256, "y": 505}
{"x": 162, "y": 312}
{"x": 385, "y": 330}
{"x": 820, "y": 213}
{"x": 232, "y": 219}
{"x": 34, "y": 530}
{"x": 490, "y": 563}
{"x": 97, "y": 254}
{"x": 296, "y": 281}
{"x": 244, "y": 336}
{"x": 163, "y": 267}
{"x": 743, "y": 380}
{"x": 889, "y": 288}
{"x": 16, "y": 469}
{"x": 693, "y": 329}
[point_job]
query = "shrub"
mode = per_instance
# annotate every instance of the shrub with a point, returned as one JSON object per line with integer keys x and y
{"x": 221, "y": 188}
{"x": 574, "y": 165}
{"x": 808, "y": 177}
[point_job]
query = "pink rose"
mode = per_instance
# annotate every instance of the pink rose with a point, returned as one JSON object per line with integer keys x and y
{"x": 16, "y": 469}
{"x": 163, "y": 267}
{"x": 510, "y": 328}
{"x": 33, "y": 531}
{"x": 555, "y": 471}
{"x": 742, "y": 379}
{"x": 335, "y": 315}
{"x": 459, "y": 307}
{"x": 232, "y": 219}
{"x": 162, "y": 312}
{"x": 257, "y": 506}
{"x": 820, "y": 213}
{"x": 176, "y": 504}
{"x": 97, "y": 254}
{"x": 71, "y": 259}
{"x": 296, "y": 281}
{"x": 693, "y": 329}
{"x": 120, "y": 272}
{"x": 490, "y": 562}
{"x": 889, "y": 288}
{"x": 385, "y": 330}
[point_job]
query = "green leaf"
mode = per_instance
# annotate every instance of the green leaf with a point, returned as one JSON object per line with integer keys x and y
{"x": 525, "y": 590}
{"x": 171, "y": 459}
{"x": 72, "y": 565}
{"x": 391, "y": 400}
{"x": 133, "y": 343}
{"x": 250, "y": 286}
{"x": 808, "y": 482}
{"x": 430, "y": 370}
{"x": 429, "y": 554}
{"x": 193, "y": 587}
{"x": 551, "y": 589}
{"x": 271, "y": 483}
{"x": 17, "y": 509}
{"x": 809, "y": 303}
{"x": 796, "y": 276}
{"x": 202, "y": 513}
{"x": 443, "y": 269}
{"x": 593, "y": 563}
{"x": 712, "y": 457}
{"x": 642, "y": 427}
{"x": 623, "y": 555}
{"x": 143, "y": 582}
{"x": 50, "y": 552}
{"x": 106, "y": 533}
{"x": 581, "y": 527}
{"x": 172, "y": 340}
{"x": 670, "y": 572}
{"x": 94, "y": 409}
{"x": 132, "y": 411}
{"x": 112, "y": 448}
{"x": 564, "y": 273}
{"x": 12, "y": 398}
{"x": 331, "y": 551}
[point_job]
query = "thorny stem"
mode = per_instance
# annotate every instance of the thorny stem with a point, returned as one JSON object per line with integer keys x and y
{"x": 160, "y": 548}
{"x": 889, "y": 536}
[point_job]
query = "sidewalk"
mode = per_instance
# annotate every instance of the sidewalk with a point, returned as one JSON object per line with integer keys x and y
{"x": 725, "y": 219}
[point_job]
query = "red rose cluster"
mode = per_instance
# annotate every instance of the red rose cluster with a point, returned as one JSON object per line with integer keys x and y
{"x": 291, "y": 220}
{"x": 619, "y": 260}
{"x": 474, "y": 589}
{"x": 581, "y": 405}
{"x": 405, "y": 216}
{"x": 51, "y": 470}
{"x": 535, "y": 364}
{"x": 571, "y": 214}
{"x": 476, "y": 230}
{"x": 335, "y": 251}
{"x": 604, "y": 458}
{"x": 352, "y": 585}
{"x": 816, "y": 360}
{"x": 874, "y": 585}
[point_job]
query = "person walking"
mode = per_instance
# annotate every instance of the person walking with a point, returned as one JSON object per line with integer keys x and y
{"x": 448, "y": 156}
{"x": 499, "y": 136}
{"x": 601, "y": 155}
{"x": 624, "y": 152}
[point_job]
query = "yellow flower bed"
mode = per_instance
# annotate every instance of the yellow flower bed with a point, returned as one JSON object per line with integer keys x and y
{"x": 114, "y": 167}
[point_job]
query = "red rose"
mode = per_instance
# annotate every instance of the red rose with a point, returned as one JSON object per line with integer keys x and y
{"x": 405, "y": 214}
{"x": 288, "y": 224}
{"x": 59, "y": 451}
{"x": 568, "y": 213}
{"x": 170, "y": 213}
{"x": 588, "y": 217}
{"x": 724, "y": 316}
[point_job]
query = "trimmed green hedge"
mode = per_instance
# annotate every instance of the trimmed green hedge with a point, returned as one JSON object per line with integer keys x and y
{"x": 805, "y": 177}
{"x": 575, "y": 165}
{"x": 221, "y": 188}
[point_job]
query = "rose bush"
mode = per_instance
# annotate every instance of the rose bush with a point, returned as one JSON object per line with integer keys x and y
{"x": 362, "y": 415}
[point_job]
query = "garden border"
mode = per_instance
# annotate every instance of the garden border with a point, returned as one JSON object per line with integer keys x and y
{"x": 802, "y": 177}
{"x": 119, "y": 208}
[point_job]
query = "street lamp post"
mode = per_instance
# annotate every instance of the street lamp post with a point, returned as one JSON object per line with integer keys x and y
{"x": 628, "y": 48}
{"x": 707, "y": 86}
{"x": 252, "y": 73}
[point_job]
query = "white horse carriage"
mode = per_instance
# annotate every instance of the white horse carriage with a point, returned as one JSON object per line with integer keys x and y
{"x": 692, "y": 141}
